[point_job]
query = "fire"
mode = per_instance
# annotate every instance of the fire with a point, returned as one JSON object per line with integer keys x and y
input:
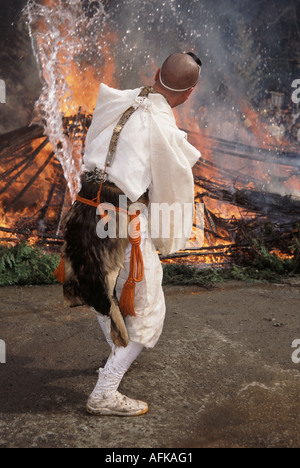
{"x": 28, "y": 204}
{"x": 83, "y": 81}
{"x": 236, "y": 146}
{"x": 251, "y": 162}
{"x": 253, "y": 124}
{"x": 35, "y": 199}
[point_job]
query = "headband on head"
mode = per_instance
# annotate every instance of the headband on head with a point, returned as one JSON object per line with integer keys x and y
{"x": 180, "y": 90}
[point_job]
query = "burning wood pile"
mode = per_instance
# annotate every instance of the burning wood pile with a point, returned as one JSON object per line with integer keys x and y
{"x": 250, "y": 201}
{"x": 34, "y": 196}
{"x": 33, "y": 190}
{"x": 249, "y": 194}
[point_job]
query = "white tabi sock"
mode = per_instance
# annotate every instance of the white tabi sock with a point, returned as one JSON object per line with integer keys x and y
{"x": 117, "y": 365}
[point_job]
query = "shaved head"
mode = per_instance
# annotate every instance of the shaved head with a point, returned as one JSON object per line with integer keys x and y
{"x": 177, "y": 78}
{"x": 180, "y": 72}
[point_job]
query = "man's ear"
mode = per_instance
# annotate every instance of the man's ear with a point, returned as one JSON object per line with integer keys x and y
{"x": 157, "y": 75}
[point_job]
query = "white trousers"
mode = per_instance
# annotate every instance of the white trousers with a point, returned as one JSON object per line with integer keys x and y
{"x": 149, "y": 301}
{"x": 145, "y": 328}
{"x": 118, "y": 362}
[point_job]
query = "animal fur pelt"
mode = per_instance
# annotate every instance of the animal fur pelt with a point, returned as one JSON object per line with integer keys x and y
{"x": 92, "y": 264}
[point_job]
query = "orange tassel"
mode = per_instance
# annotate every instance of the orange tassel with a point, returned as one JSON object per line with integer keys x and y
{"x": 59, "y": 273}
{"x": 126, "y": 302}
{"x": 136, "y": 273}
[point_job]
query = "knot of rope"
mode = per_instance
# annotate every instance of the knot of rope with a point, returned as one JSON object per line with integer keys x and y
{"x": 136, "y": 260}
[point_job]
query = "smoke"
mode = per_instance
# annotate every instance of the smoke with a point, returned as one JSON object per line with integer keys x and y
{"x": 147, "y": 32}
{"x": 19, "y": 71}
{"x": 124, "y": 42}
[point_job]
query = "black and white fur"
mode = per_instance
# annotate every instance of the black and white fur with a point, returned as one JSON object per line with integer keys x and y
{"x": 92, "y": 264}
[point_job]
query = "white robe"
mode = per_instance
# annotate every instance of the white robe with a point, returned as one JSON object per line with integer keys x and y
{"x": 152, "y": 153}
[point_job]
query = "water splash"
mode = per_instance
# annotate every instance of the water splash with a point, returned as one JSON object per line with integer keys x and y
{"x": 65, "y": 44}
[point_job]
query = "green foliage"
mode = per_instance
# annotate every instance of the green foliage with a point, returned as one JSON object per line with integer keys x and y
{"x": 264, "y": 267}
{"x": 26, "y": 265}
{"x": 260, "y": 258}
{"x": 186, "y": 275}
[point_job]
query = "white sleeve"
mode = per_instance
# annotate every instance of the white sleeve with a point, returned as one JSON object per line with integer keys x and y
{"x": 172, "y": 189}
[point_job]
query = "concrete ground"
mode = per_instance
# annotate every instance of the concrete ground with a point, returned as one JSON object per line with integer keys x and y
{"x": 222, "y": 374}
